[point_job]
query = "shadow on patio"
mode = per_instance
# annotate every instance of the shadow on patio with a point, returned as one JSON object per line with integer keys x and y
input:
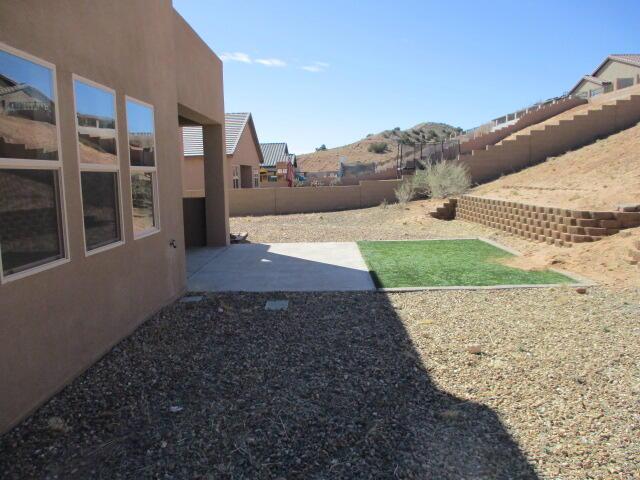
{"x": 330, "y": 388}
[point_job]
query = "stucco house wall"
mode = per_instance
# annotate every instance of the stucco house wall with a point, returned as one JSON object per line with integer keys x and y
{"x": 57, "y": 322}
{"x": 611, "y": 71}
{"x": 246, "y": 154}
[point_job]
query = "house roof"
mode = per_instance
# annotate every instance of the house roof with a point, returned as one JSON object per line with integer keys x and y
{"x": 234, "y": 125}
{"x": 273, "y": 153}
{"x": 192, "y": 141}
{"x": 628, "y": 58}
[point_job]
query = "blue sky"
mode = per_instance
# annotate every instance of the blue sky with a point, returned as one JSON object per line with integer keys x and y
{"x": 94, "y": 101}
{"x": 25, "y": 71}
{"x": 333, "y": 71}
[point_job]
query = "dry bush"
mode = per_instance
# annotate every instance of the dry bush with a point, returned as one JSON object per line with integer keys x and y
{"x": 405, "y": 191}
{"x": 378, "y": 147}
{"x": 442, "y": 180}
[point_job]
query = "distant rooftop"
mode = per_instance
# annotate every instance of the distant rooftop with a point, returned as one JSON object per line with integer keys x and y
{"x": 234, "y": 124}
{"x": 274, "y": 152}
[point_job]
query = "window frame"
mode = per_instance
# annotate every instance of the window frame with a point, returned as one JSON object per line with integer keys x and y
{"x": 256, "y": 177}
{"x": 235, "y": 177}
{"x": 144, "y": 169}
{"x": 91, "y": 167}
{"x": 53, "y": 165}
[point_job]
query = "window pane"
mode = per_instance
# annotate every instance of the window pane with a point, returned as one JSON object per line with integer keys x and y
{"x": 100, "y": 206}
{"x": 142, "y": 197}
{"x": 27, "y": 110}
{"x": 141, "y": 134}
{"x": 30, "y": 227}
{"x": 96, "y": 114}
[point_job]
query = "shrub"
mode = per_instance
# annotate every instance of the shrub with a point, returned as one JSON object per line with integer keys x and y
{"x": 405, "y": 191}
{"x": 442, "y": 180}
{"x": 378, "y": 147}
{"x": 321, "y": 148}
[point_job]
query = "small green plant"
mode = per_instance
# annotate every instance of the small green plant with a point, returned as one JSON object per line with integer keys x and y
{"x": 442, "y": 180}
{"x": 321, "y": 148}
{"x": 378, "y": 147}
{"x": 384, "y": 204}
{"x": 405, "y": 192}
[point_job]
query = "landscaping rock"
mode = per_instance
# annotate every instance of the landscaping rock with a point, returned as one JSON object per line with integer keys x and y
{"x": 474, "y": 349}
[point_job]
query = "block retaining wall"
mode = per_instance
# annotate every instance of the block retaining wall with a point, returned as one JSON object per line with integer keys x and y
{"x": 557, "y": 226}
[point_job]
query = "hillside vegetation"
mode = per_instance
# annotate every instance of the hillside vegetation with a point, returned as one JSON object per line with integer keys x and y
{"x": 599, "y": 176}
{"x": 365, "y": 150}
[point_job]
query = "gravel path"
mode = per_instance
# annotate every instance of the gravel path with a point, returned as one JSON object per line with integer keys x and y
{"x": 354, "y": 386}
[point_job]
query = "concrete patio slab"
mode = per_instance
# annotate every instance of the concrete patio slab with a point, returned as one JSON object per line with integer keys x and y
{"x": 278, "y": 267}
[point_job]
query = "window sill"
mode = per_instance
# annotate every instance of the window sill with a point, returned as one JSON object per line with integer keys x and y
{"x": 34, "y": 270}
{"x": 146, "y": 233}
{"x": 104, "y": 248}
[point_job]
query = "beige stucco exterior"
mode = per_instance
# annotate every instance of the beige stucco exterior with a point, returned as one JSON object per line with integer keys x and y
{"x": 611, "y": 72}
{"x": 57, "y": 322}
{"x": 285, "y": 200}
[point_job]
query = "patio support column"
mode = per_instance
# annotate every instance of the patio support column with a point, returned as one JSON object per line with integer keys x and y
{"x": 216, "y": 196}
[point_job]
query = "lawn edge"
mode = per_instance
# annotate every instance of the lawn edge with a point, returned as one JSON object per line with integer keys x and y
{"x": 580, "y": 281}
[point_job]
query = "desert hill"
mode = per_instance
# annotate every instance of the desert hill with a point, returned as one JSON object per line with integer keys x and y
{"x": 360, "y": 151}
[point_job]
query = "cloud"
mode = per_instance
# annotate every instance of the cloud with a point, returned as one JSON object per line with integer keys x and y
{"x": 235, "y": 57}
{"x": 316, "y": 67}
{"x": 271, "y": 62}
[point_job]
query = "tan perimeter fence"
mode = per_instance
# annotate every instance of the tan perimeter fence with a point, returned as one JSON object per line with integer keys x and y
{"x": 278, "y": 201}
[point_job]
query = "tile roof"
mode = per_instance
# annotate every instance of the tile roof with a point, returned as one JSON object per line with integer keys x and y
{"x": 273, "y": 153}
{"x": 234, "y": 125}
{"x": 192, "y": 141}
{"x": 633, "y": 58}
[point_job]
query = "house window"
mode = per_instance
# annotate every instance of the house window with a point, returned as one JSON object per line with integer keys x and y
{"x": 99, "y": 165}
{"x": 144, "y": 175}
{"x": 236, "y": 176}
{"x": 32, "y": 235}
{"x": 256, "y": 178}
{"x": 624, "y": 82}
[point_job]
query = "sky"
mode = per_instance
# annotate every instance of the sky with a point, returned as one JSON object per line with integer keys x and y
{"x": 331, "y": 72}
{"x": 25, "y": 71}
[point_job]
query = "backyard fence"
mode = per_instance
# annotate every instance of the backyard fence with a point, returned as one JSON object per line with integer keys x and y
{"x": 417, "y": 155}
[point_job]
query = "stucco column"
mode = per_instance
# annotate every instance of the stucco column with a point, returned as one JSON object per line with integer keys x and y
{"x": 216, "y": 196}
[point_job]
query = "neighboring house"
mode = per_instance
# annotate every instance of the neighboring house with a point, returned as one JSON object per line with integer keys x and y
{"x": 91, "y": 232}
{"x": 615, "y": 72}
{"x": 279, "y": 167}
{"x": 244, "y": 156}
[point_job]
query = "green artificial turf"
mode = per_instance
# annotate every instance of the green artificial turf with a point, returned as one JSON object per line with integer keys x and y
{"x": 443, "y": 263}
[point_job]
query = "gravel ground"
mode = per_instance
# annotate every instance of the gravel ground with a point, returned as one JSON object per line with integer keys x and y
{"x": 530, "y": 383}
{"x": 354, "y": 386}
{"x": 377, "y": 223}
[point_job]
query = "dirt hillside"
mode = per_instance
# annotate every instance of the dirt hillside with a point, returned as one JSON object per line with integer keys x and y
{"x": 329, "y": 160}
{"x": 599, "y": 176}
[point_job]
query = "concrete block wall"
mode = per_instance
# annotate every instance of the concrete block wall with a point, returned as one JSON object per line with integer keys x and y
{"x": 537, "y": 145}
{"x": 279, "y": 201}
{"x": 528, "y": 119}
{"x": 553, "y": 225}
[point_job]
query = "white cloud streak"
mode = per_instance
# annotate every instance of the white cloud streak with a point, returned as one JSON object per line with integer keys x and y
{"x": 316, "y": 67}
{"x": 271, "y": 62}
{"x": 235, "y": 57}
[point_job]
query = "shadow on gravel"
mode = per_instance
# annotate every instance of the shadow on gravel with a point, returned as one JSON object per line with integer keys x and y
{"x": 330, "y": 388}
